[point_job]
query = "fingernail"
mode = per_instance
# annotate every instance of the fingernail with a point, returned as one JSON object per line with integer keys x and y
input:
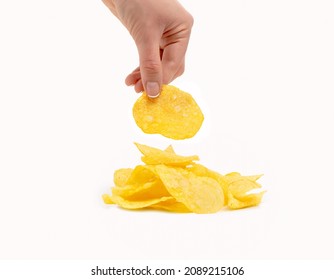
{"x": 152, "y": 89}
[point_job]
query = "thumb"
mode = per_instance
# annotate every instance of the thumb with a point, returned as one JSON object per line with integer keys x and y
{"x": 150, "y": 67}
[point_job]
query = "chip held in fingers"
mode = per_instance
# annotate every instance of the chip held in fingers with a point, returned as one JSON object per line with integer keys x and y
{"x": 174, "y": 114}
{"x": 171, "y": 182}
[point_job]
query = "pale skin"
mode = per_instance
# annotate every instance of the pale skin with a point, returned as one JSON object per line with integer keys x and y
{"x": 161, "y": 31}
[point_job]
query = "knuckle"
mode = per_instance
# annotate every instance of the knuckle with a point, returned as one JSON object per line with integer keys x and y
{"x": 172, "y": 64}
{"x": 150, "y": 65}
{"x": 190, "y": 20}
{"x": 181, "y": 71}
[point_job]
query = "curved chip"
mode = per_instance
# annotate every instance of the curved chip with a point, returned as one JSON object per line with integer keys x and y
{"x": 174, "y": 114}
{"x": 199, "y": 194}
{"x": 246, "y": 201}
{"x": 239, "y": 188}
{"x": 170, "y": 149}
{"x": 143, "y": 191}
{"x": 171, "y": 205}
{"x": 141, "y": 174}
{"x": 201, "y": 170}
{"x": 138, "y": 204}
{"x": 107, "y": 198}
{"x": 121, "y": 176}
{"x": 157, "y": 156}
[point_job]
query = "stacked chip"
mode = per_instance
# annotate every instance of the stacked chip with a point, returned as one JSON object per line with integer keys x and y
{"x": 172, "y": 182}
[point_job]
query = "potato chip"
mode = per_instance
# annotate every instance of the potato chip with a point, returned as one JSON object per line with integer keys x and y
{"x": 239, "y": 189}
{"x": 138, "y": 204}
{"x": 157, "y": 156}
{"x": 171, "y": 205}
{"x": 121, "y": 176}
{"x": 170, "y": 149}
{"x": 198, "y": 194}
{"x": 142, "y": 191}
{"x": 141, "y": 184}
{"x": 107, "y": 198}
{"x": 203, "y": 171}
{"x": 174, "y": 114}
{"x": 246, "y": 201}
{"x": 232, "y": 177}
{"x": 253, "y": 178}
{"x": 141, "y": 174}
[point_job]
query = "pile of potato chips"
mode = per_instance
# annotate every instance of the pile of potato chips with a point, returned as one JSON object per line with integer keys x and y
{"x": 172, "y": 182}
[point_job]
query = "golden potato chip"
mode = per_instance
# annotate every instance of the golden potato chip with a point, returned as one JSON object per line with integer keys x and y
{"x": 198, "y": 194}
{"x": 203, "y": 171}
{"x": 143, "y": 191}
{"x": 235, "y": 186}
{"x": 157, "y": 156}
{"x": 174, "y": 114}
{"x": 138, "y": 204}
{"x": 170, "y": 149}
{"x": 141, "y": 184}
{"x": 246, "y": 201}
{"x": 131, "y": 190}
{"x": 235, "y": 176}
{"x": 107, "y": 199}
{"x": 232, "y": 177}
{"x": 241, "y": 187}
{"x": 171, "y": 205}
{"x": 253, "y": 178}
{"x": 141, "y": 174}
{"x": 121, "y": 176}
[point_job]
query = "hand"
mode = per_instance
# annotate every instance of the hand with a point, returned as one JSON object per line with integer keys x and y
{"x": 161, "y": 31}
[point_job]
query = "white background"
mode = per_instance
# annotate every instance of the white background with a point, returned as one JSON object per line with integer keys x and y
{"x": 261, "y": 70}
